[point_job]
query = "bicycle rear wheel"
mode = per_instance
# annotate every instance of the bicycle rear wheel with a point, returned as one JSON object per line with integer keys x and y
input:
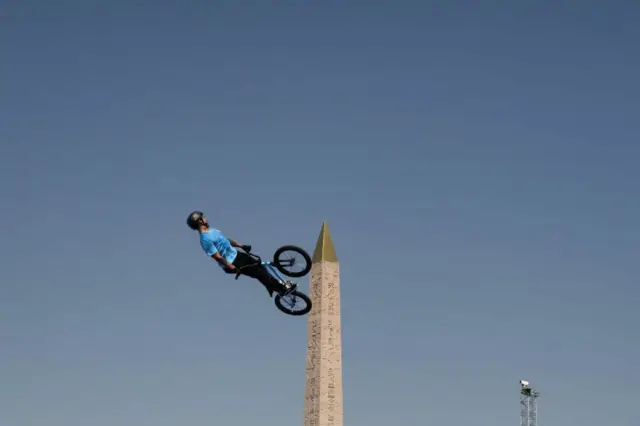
{"x": 288, "y": 303}
{"x": 292, "y": 261}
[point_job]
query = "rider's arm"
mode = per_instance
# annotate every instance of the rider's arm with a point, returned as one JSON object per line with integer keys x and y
{"x": 221, "y": 260}
{"x": 212, "y": 252}
{"x": 234, "y": 243}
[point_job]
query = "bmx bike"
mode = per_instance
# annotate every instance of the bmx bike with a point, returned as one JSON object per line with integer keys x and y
{"x": 283, "y": 259}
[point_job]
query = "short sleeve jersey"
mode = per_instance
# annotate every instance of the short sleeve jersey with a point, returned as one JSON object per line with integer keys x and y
{"x": 213, "y": 242}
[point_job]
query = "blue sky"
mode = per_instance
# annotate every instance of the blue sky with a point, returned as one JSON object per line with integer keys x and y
{"x": 477, "y": 163}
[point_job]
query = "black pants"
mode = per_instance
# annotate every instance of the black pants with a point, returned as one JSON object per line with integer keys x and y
{"x": 254, "y": 269}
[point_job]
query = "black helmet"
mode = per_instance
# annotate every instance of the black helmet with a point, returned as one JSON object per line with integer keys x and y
{"x": 194, "y": 220}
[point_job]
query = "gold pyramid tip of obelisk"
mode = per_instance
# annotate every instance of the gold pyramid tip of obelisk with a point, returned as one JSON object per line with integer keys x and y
{"x": 324, "y": 247}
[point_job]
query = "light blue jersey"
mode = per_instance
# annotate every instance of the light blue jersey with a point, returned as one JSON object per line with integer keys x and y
{"x": 213, "y": 242}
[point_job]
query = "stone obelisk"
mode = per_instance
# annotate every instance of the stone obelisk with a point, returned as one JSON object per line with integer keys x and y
{"x": 323, "y": 393}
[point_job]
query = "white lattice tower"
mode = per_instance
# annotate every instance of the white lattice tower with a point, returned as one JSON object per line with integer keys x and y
{"x": 528, "y": 404}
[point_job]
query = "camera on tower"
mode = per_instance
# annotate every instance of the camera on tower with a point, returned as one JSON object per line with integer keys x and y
{"x": 525, "y": 389}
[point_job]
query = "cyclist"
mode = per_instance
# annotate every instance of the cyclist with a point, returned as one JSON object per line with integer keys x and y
{"x": 223, "y": 250}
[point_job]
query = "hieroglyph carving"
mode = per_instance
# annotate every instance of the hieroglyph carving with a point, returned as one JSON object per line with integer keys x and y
{"x": 323, "y": 394}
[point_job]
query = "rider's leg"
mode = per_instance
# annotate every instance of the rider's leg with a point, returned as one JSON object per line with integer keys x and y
{"x": 255, "y": 270}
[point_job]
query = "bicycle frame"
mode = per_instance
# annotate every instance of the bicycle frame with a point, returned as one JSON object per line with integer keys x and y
{"x": 273, "y": 271}
{"x": 268, "y": 265}
{"x": 287, "y": 296}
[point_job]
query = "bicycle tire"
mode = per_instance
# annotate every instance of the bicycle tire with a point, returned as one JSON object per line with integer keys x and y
{"x": 299, "y": 294}
{"x": 298, "y": 250}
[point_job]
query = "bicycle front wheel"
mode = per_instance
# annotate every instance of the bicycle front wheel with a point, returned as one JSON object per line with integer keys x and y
{"x": 295, "y": 303}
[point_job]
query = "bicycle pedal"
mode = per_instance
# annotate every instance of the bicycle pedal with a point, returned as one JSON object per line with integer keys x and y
{"x": 288, "y": 287}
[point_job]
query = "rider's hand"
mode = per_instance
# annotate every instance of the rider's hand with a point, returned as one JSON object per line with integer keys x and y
{"x": 246, "y": 248}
